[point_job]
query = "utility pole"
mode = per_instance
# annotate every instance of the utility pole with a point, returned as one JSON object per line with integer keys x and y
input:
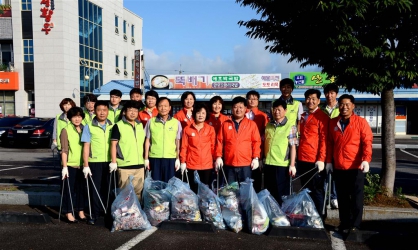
{"x": 180, "y": 71}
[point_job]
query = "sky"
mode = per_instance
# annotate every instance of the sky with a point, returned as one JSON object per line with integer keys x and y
{"x": 202, "y": 36}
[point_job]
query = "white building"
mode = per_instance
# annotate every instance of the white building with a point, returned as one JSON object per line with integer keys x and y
{"x": 65, "y": 48}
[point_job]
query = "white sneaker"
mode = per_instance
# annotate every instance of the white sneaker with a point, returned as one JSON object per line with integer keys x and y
{"x": 334, "y": 203}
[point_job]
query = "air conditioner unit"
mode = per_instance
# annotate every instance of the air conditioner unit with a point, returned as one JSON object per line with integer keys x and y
{"x": 117, "y": 30}
{"x": 117, "y": 71}
{"x": 125, "y": 73}
{"x": 125, "y": 37}
{"x": 133, "y": 40}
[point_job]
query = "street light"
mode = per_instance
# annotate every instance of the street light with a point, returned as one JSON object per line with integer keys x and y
{"x": 87, "y": 76}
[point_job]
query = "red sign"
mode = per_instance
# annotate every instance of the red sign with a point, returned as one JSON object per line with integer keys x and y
{"x": 137, "y": 74}
{"x": 46, "y": 12}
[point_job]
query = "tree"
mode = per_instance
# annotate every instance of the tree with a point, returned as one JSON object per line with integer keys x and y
{"x": 369, "y": 46}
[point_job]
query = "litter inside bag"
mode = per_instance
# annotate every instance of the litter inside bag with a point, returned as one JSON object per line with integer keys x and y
{"x": 230, "y": 206}
{"x": 301, "y": 210}
{"x": 156, "y": 200}
{"x": 126, "y": 211}
{"x": 184, "y": 202}
{"x": 276, "y": 215}
{"x": 209, "y": 204}
{"x": 256, "y": 216}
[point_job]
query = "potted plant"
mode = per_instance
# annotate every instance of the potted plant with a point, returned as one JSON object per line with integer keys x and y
{"x": 5, "y": 10}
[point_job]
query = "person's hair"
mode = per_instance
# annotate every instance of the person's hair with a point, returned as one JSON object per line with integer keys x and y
{"x": 151, "y": 93}
{"x": 135, "y": 91}
{"x": 101, "y": 103}
{"x": 215, "y": 99}
{"x": 313, "y": 92}
{"x": 346, "y": 96}
{"x": 116, "y": 92}
{"x": 278, "y": 103}
{"x": 331, "y": 87}
{"x": 162, "y": 99}
{"x": 288, "y": 81}
{"x": 239, "y": 99}
{"x": 75, "y": 111}
{"x": 185, "y": 95}
{"x": 89, "y": 98}
{"x": 252, "y": 92}
{"x": 127, "y": 105}
{"x": 198, "y": 107}
{"x": 65, "y": 101}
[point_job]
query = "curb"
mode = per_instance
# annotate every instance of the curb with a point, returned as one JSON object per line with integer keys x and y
{"x": 383, "y": 213}
{"x": 30, "y": 198}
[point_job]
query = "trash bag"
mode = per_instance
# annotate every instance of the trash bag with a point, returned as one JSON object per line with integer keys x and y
{"x": 230, "y": 206}
{"x": 301, "y": 210}
{"x": 184, "y": 202}
{"x": 209, "y": 204}
{"x": 276, "y": 215}
{"x": 156, "y": 200}
{"x": 126, "y": 211}
{"x": 256, "y": 215}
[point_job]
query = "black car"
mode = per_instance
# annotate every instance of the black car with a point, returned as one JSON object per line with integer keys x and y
{"x": 7, "y": 123}
{"x": 33, "y": 131}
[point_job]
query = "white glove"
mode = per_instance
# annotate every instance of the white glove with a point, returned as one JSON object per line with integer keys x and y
{"x": 113, "y": 167}
{"x": 86, "y": 171}
{"x": 146, "y": 164}
{"x": 292, "y": 171}
{"x": 219, "y": 163}
{"x": 329, "y": 168}
{"x": 64, "y": 172}
{"x": 54, "y": 145}
{"x": 320, "y": 165}
{"x": 183, "y": 167}
{"x": 177, "y": 165}
{"x": 365, "y": 166}
{"x": 255, "y": 164}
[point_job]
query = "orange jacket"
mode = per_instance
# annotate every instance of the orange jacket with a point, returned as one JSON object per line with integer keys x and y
{"x": 240, "y": 148}
{"x": 144, "y": 116}
{"x": 313, "y": 137}
{"x": 181, "y": 116}
{"x": 260, "y": 118}
{"x": 198, "y": 147}
{"x": 349, "y": 148}
{"x": 216, "y": 123}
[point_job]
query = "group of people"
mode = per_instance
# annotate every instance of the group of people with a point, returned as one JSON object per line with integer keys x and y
{"x": 106, "y": 139}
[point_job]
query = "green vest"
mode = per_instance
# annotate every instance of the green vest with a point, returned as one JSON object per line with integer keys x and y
{"x": 87, "y": 118}
{"x": 75, "y": 147}
{"x": 292, "y": 112}
{"x": 130, "y": 147}
{"x": 276, "y": 144}
{"x": 61, "y": 123}
{"x": 113, "y": 115}
{"x": 100, "y": 142}
{"x": 163, "y": 138}
{"x": 335, "y": 112}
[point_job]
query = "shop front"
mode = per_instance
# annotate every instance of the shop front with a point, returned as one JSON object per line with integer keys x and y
{"x": 9, "y": 83}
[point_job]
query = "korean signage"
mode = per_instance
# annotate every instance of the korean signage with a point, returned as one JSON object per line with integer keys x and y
{"x": 47, "y": 9}
{"x": 137, "y": 73}
{"x": 310, "y": 80}
{"x": 9, "y": 81}
{"x": 226, "y": 81}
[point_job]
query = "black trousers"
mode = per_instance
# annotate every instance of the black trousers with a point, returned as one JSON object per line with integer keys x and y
{"x": 350, "y": 195}
{"x": 100, "y": 175}
{"x": 76, "y": 185}
{"x": 277, "y": 181}
{"x": 314, "y": 181}
{"x": 205, "y": 177}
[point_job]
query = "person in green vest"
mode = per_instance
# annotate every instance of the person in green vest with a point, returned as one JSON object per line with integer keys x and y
{"x": 280, "y": 152}
{"x": 330, "y": 107}
{"x": 72, "y": 160}
{"x": 162, "y": 142}
{"x": 89, "y": 100}
{"x": 96, "y": 157}
{"x": 114, "y": 105}
{"x": 61, "y": 122}
{"x": 127, "y": 148}
{"x": 294, "y": 107}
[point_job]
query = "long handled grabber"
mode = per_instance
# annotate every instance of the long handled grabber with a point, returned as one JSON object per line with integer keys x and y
{"x": 98, "y": 194}
{"x": 62, "y": 194}
{"x": 329, "y": 190}
{"x": 326, "y": 191}
{"x": 110, "y": 184}
{"x": 88, "y": 194}
{"x": 71, "y": 199}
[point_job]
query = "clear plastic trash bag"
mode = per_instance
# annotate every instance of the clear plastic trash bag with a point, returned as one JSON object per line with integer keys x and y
{"x": 230, "y": 206}
{"x": 184, "y": 202}
{"x": 276, "y": 215}
{"x": 156, "y": 200}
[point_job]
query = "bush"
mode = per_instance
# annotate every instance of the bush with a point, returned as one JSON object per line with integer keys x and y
{"x": 372, "y": 188}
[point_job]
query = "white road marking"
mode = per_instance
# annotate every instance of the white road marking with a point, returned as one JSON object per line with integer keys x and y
{"x": 16, "y": 168}
{"x": 337, "y": 242}
{"x": 52, "y": 177}
{"x": 135, "y": 240}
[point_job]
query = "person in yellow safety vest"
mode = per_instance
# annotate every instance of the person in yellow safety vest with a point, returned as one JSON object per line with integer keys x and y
{"x": 96, "y": 157}
{"x": 114, "y": 105}
{"x": 280, "y": 152}
{"x": 61, "y": 122}
{"x": 89, "y": 100}
{"x": 162, "y": 143}
{"x": 127, "y": 148}
{"x": 294, "y": 107}
{"x": 72, "y": 160}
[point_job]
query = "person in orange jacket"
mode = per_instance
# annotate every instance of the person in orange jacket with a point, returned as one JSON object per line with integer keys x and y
{"x": 349, "y": 147}
{"x": 198, "y": 147}
{"x": 185, "y": 115}
{"x": 239, "y": 142}
{"x": 312, "y": 148}
{"x": 216, "y": 118}
{"x": 150, "y": 110}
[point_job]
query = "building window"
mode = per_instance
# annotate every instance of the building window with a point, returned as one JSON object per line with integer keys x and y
{"x": 124, "y": 27}
{"x": 132, "y": 30}
{"x": 124, "y": 63}
{"x": 116, "y": 21}
{"x": 26, "y": 5}
{"x": 28, "y": 50}
{"x": 117, "y": 61}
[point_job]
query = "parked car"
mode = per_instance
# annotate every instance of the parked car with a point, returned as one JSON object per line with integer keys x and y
{"x": 32, "y": 131}
{"x": 7, "y": 123}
